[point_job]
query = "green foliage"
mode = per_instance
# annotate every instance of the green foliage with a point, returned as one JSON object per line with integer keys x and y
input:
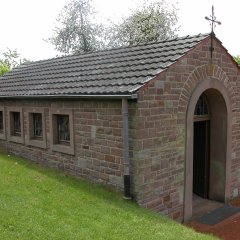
{"x": 11, "y": 59}
{"x": 79, "y": 32}
{"x": 38, "y": 203}
{"x": 4, "y": 68}
{"x": 237, "y": 59}
{"x": 153, "y": 21}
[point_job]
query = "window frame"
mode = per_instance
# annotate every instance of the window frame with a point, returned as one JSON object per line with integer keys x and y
{"x": 16, "y": 124}
{"x": 3, "y": 131}
{"x": 31, "y": 139}
{"x": 38, "y": 117}
{"x": 11, "y": 136}
{"x": 61, "y": 139}
{"x": 202, "y": 116}
{"x": 55, "y": 145}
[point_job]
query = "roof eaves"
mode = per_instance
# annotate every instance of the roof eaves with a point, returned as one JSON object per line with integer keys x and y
{"x": 74, "y": 96}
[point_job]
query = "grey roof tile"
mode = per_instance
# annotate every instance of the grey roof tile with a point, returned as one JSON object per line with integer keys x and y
{"x": 110, "y": 72}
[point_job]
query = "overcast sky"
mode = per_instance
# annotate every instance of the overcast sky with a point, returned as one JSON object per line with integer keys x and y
{"x": 26, "y": 23}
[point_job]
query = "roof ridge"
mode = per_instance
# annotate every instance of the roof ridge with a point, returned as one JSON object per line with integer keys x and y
{"x": 113, "y": 49}
{"x": 116, "y": 59}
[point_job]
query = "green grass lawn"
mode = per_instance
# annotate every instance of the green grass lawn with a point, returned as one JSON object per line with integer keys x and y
{"x": 39, "y": 203}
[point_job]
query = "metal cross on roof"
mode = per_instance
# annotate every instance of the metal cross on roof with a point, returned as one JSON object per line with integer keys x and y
{"x": 213, "y": 23}
{"x": 213, "y": 20}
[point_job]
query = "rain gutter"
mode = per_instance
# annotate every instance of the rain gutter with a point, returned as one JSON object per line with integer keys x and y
{"x": 115, "y": 96}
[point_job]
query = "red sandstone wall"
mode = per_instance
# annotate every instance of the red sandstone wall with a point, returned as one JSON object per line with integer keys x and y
{"x": 98, "y": 141}
{"x": 160, "y": 133}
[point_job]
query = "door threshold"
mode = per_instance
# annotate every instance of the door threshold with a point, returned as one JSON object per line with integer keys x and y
{"x": 202, "y": 206}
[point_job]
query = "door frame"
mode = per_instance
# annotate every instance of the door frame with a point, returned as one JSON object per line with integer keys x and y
{"x": 208, "y": 83}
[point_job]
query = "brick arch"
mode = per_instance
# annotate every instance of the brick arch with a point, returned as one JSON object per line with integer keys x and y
{"x": 196, "y": 76}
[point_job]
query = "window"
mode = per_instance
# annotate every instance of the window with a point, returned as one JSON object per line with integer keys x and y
{"x": 15, "y": 123}
{"x": 61, "y": 131}
{"x": 1, "y": 122}
{"x": 16, "y": 131}
{"x": 202, "y": 106}
{"x": 36, "y": 127}
{"x": 202, "y": 111}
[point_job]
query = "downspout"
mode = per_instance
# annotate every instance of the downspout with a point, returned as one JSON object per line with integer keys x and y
{"x": 127, "y": 180}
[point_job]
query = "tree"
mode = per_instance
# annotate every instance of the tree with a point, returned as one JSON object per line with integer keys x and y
{"x": 237, "y": 59}
{"x": 4, "y": 68}
{"x": 153, "y": 21}
{"x": 77, "y": 31}
{"x": 11, "y": 59}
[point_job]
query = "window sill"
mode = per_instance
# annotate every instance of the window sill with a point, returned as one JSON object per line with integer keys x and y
{"x": 2, "y": 135}
{"x": 17, "y": 139}
{"x": 36, "y": 143}
{"x": 63, "y": 149}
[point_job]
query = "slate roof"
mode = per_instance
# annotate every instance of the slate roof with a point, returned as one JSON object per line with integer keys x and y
{"x": 113, "y": 72}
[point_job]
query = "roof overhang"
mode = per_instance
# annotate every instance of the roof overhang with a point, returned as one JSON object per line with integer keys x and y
{"x": 74, "y": 96}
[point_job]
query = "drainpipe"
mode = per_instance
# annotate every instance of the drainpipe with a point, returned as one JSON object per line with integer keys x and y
{"x": 127, "y": 180}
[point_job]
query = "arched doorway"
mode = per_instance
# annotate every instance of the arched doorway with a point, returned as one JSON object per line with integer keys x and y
{"x": 208, "y": 144}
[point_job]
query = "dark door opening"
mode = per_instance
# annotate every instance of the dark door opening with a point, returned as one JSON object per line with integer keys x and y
{"x": 201, "y": 163}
